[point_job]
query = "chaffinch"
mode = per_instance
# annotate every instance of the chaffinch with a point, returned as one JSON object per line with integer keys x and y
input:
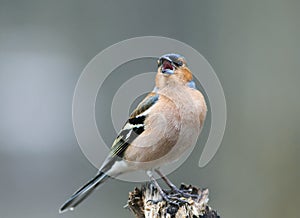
{"x": 159, "y": 130}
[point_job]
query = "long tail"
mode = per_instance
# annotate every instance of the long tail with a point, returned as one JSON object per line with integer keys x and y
{"x": 83, "y": 192}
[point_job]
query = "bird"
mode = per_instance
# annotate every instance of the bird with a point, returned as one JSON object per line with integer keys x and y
{"x": 162, "y": 127}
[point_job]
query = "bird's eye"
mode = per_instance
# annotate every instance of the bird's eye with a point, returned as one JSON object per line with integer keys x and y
{"x": 178, "y": 63}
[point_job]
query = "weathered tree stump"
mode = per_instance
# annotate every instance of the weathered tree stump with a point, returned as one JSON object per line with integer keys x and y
{"x": 148, "y": 203}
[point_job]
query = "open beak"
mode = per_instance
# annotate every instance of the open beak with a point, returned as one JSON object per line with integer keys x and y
{"x": 167, "y": 66}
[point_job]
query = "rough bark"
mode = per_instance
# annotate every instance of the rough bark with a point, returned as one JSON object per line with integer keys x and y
{"x": 146, "y": 202}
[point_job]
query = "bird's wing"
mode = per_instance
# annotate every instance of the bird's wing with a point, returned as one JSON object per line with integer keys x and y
{"x": 134, "y": 125}
{"x": 131, "y": 130}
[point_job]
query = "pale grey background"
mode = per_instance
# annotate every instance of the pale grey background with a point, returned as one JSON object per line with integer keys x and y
{"x": 253, "y": 47}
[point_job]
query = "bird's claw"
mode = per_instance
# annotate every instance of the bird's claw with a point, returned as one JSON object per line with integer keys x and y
{"x": 169, "y": 200}
{"x": 174, "y": 199}
{"x": 184, "y": 193}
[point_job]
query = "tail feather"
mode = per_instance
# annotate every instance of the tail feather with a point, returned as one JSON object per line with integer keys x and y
{"x": 83, "y": 192}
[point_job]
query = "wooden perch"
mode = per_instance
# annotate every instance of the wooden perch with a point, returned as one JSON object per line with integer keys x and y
{"x": 148, "y": 203}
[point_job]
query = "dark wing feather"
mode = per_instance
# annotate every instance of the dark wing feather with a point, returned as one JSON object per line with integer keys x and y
{"x": 132, "y": 129}
{"x": 148, "y": 102}
{"x": 134, "y": 126}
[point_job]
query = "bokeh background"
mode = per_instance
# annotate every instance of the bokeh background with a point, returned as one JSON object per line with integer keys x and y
{"x": 252, "y": 45}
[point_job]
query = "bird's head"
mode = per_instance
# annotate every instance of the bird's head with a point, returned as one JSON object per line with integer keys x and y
{"x": 172, "y": 70}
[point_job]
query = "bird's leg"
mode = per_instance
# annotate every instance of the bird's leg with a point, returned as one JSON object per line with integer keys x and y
{"x": 174, "y": 187}
{"x": 169, "y": 199}
{"x": 167, "y": 181}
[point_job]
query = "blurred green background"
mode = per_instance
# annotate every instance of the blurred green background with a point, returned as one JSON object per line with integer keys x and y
{"x": 252, "y": 45}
